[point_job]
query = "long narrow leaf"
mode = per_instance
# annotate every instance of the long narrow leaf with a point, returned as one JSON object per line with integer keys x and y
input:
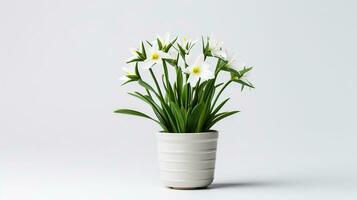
{"x": 222, "y": 116}
{"x": 135, "y": 113}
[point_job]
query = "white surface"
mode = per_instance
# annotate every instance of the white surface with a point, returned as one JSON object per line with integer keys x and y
{"x": 60, "y": 63}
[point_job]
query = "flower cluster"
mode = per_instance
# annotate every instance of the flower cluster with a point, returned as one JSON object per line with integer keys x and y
{"x": 193, "y": 91}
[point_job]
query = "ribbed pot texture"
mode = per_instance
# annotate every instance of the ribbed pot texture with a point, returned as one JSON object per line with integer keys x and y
{"x": 187, "y": 160}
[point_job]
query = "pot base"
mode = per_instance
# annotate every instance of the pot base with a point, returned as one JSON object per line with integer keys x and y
{"x": 188, "y": 188}
{"x": 188, "y": 185}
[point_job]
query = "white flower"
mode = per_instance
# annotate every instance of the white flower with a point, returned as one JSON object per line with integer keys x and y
{"x": 154, "y": 56}
{"x": 187, "y": 41}
{"x": 241, "y": 66}
{"x": 124, "y": 78}
{"x": 134, "y": 54}
{"x": 166, "y": 40}
{"x": 127, "y": 73}
{"x": 216, "y": 49}
{"x": 231, "y": 60}
{"x": 199, "y": 69}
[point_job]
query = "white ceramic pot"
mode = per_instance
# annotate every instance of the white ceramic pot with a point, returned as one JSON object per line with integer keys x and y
{"x": 187, "y": 160}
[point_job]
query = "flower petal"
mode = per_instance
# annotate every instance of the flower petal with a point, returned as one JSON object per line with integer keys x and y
{"x": 199, "y": 60}
{"x": 206, "y": 75}
{"x": 155, "y": 46}
{"x": 131, "y": 58}
{"x": 205, "y": 66}
{"x": 164, "y": 55}
{"x": 167, "y": 37}
{"x": 147, "y": 64}
{"x": 190, "y": 60}
{"x": 124, "y": 78}
{"x": 126, "y": 70}
{"x": 223, "y": 54}
{"x": 188, "y": 70}
{"x": 193, "y": 79}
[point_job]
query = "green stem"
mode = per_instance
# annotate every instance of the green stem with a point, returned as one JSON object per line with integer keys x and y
{"x": 147, "y": 86}
{"x": 156, "y": 83}
{"x": 217, "y": 67}
{"x": 220, "y": 92}
{"x": 148, "y": 93}
{"x": 168, "y": 84}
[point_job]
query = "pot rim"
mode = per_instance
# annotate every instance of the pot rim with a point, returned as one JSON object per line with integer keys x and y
{"x": 199, "y": 133}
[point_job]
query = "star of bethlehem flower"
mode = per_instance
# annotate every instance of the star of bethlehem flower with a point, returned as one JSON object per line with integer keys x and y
{"x": 240, "y": 66}
{"x": 199, "y": 69}
{"x": 127, "y": 73}
{"x": 231, "y": 60}
{"x": 216, "y": 49}
{"x": 232, "y": 63}
{"x": 155, "y": 56}
{"x": 166, "y": 40}
{"x": 134, "y": 54}
{"x": 187, "y": 43}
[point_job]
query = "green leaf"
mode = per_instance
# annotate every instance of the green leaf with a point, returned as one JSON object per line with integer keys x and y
{"x": 156, "y": 83}
{"x": 143, "y": 50}
{"x": 135, "y": 60}
{"x": 169, "y": 90}
{"x": 159, "y": 43}
{"x": 220, "y": 106}
{"x": 218, "y": 85}
{"x": 129, "y": 81}
{"x": 220, "y": 92}
{"x": 182, "y": 51}
{"x": 133, "y": 77}
{"x": 245, "y": 70}
{"x": 171, "y": 61}
{"x": 221, "y": 116}
{"x": 180, "y": 121}
{"x": 167, "y": 48}
{"x": 201, "y": 119}
{"x": 192, "y": 118}
{"x": 179, "y": 83}
{"x": 156, "y": 108}
{"x": 244, "y": 83}
{"x": 170, "y": 116}
{"x": 232, "y": 71}
{"x": 137, "y": 69}
{"x": 134, "y": 112}
{"x": 149, "y": 43}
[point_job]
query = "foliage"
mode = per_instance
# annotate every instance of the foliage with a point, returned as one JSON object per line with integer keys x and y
{"x": 189, "y": 104}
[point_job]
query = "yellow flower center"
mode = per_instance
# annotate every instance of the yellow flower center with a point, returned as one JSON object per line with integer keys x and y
{"x": 196, "y": 70}
{"x": 155, "y": 56}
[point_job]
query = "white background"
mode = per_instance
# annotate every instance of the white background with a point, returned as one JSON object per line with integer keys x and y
{"x": 60, "y": 63}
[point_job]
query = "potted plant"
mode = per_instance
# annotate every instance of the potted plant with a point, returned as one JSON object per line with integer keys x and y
{"x": 183, "y": 91}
